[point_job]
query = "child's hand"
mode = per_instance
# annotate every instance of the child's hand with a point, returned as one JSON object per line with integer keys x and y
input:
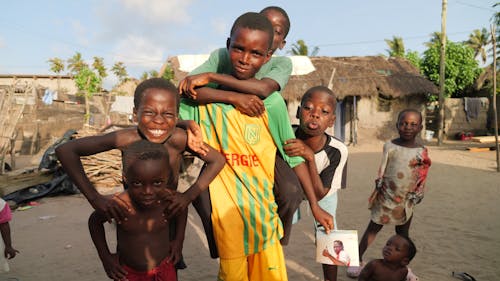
{"x": 112, "y": 207}
{"x": 187, "y": 85}
{"x": 113, "y": 268}
{"x": 296, "y": 147}
{"x": 323, "y": 217}
{"x": 175, "y": 251}
{"x": 178, "y": 202}
{"x": 250, "y": 105}
{"x": 10, "y": 252}
{"x": 195, "y": 139}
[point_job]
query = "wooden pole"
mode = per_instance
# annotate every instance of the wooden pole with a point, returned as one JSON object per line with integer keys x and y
{"x": 494, "y": 100}
{"x": 441, "y": 118}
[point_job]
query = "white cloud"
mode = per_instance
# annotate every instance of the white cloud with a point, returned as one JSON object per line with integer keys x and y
{"x": 138, "y": 53}
{"x": 160, "y": 11}
{"x": 220, "y": 26}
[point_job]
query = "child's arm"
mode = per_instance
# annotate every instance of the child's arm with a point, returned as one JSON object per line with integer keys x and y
{"x": 214, "y": 162}
{"x": 195, "y": 139}
{"x": 333, "y": 259}
{"x": 296, "y": 147}
{"x": 180, "y": 230}
{"x": 9, "y": 252}
{"x": 250, "y": 105}
{"x": 261, "y": 88}
{"x": 321, "y": 216}
{"x": 367, "y": 272}
{"x": 109, "y": 261}
{"x": 69, "y": 155}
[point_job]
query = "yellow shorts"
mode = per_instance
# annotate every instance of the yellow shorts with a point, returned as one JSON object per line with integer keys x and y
{"x": 268, "y": 265}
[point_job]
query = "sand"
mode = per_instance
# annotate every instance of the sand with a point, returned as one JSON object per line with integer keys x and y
{"x": 455, "y": 228}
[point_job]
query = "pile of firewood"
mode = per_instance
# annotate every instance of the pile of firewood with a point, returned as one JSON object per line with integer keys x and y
{"x": 104, "y": 169}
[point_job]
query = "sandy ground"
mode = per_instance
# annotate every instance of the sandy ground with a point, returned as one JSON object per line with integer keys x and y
{"x": 455, "y": 228}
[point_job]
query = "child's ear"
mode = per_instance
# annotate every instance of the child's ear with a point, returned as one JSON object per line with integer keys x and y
{"x": 282, "y": 45}
{"x": 134, "y": 115}
{"x": 405, "y": 261}
{"x": 124, "y": 179}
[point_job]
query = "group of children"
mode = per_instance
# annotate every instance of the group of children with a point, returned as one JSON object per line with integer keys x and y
{"x": 235, "y": 120}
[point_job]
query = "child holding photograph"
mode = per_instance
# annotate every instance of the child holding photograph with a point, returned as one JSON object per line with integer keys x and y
{"x": 325, "y": 155}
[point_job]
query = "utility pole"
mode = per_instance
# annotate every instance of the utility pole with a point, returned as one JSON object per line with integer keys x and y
{"x": 494, "y": 100}
{"x": 441, "y": 75}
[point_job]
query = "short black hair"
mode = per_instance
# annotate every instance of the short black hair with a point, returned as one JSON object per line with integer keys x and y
{"x": 155, "y": 83}
{"x": 412, "y": 250}
{"x": 323, "y": 89}
{"x": 282, "y": 12}
{"x": 254, "y": 21}
{"x": 143, "y": 150}
{"x": 410, "y": 110}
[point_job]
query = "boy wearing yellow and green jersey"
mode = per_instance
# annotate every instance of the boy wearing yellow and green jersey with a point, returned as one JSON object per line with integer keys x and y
{"x": 244, "y": 213}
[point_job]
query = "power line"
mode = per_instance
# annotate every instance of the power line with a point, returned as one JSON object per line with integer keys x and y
{"x": 474, "y": 6}
{"x": 382, "y": 41}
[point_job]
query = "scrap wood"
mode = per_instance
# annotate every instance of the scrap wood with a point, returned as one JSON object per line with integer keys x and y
{"x": 103, "y": 169}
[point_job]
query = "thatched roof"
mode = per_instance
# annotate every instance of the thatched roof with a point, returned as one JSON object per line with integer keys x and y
{"x": 354, "y": 76}
{"x": 361, "y": 76}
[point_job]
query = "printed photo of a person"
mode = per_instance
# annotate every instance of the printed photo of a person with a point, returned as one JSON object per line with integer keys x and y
{"x": 339, "y": 256}
{"x": 339, "y": 247}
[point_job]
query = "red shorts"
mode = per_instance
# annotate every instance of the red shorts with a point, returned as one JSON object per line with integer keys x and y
{"x": 163, "y": 272}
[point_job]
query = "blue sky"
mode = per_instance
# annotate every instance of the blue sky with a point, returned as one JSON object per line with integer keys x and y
{"x": 143, "y": 34}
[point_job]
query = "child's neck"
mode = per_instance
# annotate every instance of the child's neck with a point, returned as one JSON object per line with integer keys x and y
{"x": 393, "y": 265}
{"x": 316, "y": 143}
{"x": 406, "y": 143}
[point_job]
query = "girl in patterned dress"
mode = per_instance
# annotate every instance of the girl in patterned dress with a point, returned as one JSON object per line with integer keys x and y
{"x": 400, "y": 183}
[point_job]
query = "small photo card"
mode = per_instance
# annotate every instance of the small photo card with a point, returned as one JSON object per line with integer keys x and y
{"x": 340, "y": 247}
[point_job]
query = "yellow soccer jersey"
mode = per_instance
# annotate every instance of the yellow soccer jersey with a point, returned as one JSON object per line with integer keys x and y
{"x": 244, "y": 212}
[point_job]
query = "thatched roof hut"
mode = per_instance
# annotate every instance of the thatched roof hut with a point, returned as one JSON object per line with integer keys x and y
{"x": 361, "y": 76}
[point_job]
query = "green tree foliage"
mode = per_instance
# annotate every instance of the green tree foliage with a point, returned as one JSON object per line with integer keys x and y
{"x": 478, "y": 41}
{"x": 300, "y": 48}
{"x": 396, "y": 47}
{"x": 89, "y": 83}
{"x": 120, "y": 71}
{"x": 461, "y": 69}
{"x": 98, "y": 65}
{"x": 414, "y": 58}
{"x": 435, "y": 39}
{"x": 76, "y": 63}
{"x": 57, "y": 66}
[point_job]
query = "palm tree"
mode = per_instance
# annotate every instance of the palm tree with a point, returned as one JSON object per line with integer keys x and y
{"x": 98, "y": 65}
{"x": 478, "y": 40}
{"x": 76, "y": 63}
{"x": 300, "y": 49}
{"x": 57, "y": 66}
{"x": 120, "y": 71}
{"x": 396, "y": 47}
{"x": 435, "y": 39}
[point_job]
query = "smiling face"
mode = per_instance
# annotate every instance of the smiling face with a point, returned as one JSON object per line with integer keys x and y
{"x": 396, "y": 250}
{"x": 248, "y": 51}
{"x": 156, "y": 115}
{"x": 409, "y": 126}
{"x": 317, "y": 113}
{"x": 279, "y": 23}
{"x": 147, "y": 181}
{"x": 337, "y": 247}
